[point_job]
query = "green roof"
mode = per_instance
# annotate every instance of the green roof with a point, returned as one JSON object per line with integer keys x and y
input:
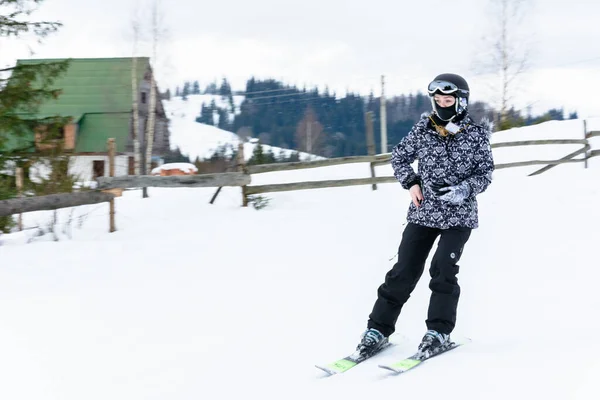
{"x": 101, "y": 127}
{"x": 98, "y": 93}
{"x": 92, "y": 85}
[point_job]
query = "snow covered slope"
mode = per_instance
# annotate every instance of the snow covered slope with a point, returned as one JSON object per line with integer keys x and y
{"x": 195, "y": 301}
{"x": 201, "y": 140}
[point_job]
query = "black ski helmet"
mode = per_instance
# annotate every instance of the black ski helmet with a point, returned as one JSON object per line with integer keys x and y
{"x": 459, "y": 88}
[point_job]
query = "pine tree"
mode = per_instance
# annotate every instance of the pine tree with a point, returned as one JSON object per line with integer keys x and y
{"x": 225, "y": 89}
{"x": 196, "y": 87}
{"x": 22, "y": 89}
{"x": 25, "y": 86}
{"x": 187, "y": 90}
{"x": 270, "y": 156}
{"x": 258, "y": 156}
{"x": 223, "y": 119}
{"x": 231, "y": 104}
{"x": 211, "y": 88}
{"x": 206, "y": 115}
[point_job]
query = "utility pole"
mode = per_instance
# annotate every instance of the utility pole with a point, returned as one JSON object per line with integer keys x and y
{"x": 370, "y": 141}
{"x": 309, "y": 136}
{"x": 383, "y": 118}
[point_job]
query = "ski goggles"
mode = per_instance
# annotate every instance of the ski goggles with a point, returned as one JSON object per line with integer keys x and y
{"x": 443, "y": 87}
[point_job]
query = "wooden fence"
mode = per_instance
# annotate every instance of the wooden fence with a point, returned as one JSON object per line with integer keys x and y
{"x": 110, "y": 187}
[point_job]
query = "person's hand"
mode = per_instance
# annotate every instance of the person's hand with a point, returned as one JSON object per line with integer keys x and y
{"x": 454, "y": 194}
{"x": 416, "y": 195}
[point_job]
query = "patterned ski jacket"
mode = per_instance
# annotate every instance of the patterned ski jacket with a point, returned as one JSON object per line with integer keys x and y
{"x": 463, "y": 157}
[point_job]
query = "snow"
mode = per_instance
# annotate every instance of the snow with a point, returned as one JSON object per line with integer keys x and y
{"x": 201, "y": 140}
{"x": 189, "y": 300}
{"x": 185, "y": 167}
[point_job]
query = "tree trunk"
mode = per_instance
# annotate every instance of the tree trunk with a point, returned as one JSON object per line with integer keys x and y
{"x": 152, "y": 109}
{"x": 136, "y": 117}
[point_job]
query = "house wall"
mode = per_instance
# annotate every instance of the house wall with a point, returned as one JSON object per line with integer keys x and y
{"x": 161, "y": 143}
{"x": 82, "y": 166}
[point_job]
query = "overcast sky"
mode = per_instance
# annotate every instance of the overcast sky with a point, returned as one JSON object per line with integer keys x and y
{"x": 346, "y": 44}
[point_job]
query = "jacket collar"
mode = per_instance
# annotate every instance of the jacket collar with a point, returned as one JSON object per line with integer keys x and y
{"x": 428, "y": 124}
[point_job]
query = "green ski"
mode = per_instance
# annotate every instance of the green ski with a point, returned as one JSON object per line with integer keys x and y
{"x": 344, "y": 364}
{"x": 414, "y": 361}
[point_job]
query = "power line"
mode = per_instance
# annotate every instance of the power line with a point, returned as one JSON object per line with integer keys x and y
{"x": 302, "y": 100}
{"x": 262, "y": 91}
{"x": 281, "y": 95}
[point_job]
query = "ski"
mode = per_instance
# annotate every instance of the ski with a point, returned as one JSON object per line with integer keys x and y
{"x": 344, "y": 364}
{"x": 415, "y": 360}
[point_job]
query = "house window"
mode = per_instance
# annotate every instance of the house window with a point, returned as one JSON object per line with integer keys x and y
{"x": 97, "y": 169}
{"x": 143, "y": 99}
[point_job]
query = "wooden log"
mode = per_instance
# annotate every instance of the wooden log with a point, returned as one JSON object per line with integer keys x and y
{"x": 260, "y": 169}
{"x": 203, "y": 180}
{"x": 594, "y": 153}
{"x": 52, "y": 202}
{"x": 284, "y": 187}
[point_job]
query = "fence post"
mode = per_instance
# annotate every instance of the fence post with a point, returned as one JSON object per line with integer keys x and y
{"x": 586, "y": 155}
{"x": 111, "y": 173}
{"x": 19, "y": 176}
{"x": 242, "y": 168}
{"x": 370, "y": 142}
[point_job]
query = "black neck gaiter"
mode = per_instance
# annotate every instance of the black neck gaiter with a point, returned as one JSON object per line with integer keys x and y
{"x": 440, "y": 122}
{"x": 445, "y": 113}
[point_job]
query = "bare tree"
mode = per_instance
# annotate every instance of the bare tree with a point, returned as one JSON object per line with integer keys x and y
{"x": 157, "y": 32}
{"x": 135, "y": 94}
{"x": 509, "y": 48}
{"x": 309, "y": 133}
{"x": 150, "y": 126}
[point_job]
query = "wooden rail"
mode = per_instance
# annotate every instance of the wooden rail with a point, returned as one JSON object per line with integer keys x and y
{"x": 204, "y": 180}
{"x": 260, "y": 169}
{"x": 284, "y": 187}
{"x": 538, "y": 142}
{"x": 592, "y": 134}
{"x": 52, "y": 202}
{"x": 110, "y": 187}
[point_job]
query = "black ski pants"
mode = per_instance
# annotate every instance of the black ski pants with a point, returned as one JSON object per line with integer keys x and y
{"x": 401, "y": 280}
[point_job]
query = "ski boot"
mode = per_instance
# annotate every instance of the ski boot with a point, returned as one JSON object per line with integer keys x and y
{"x": 371, "y": 342}
{"x": 432, "y": 343}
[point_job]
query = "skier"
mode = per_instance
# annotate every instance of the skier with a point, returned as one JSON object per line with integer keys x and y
{"x": 455, "y": 164}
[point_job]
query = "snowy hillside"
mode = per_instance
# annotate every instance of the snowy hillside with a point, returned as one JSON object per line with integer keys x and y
{"x": 195, "y": 301}
{"x": 201, "y": 140}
